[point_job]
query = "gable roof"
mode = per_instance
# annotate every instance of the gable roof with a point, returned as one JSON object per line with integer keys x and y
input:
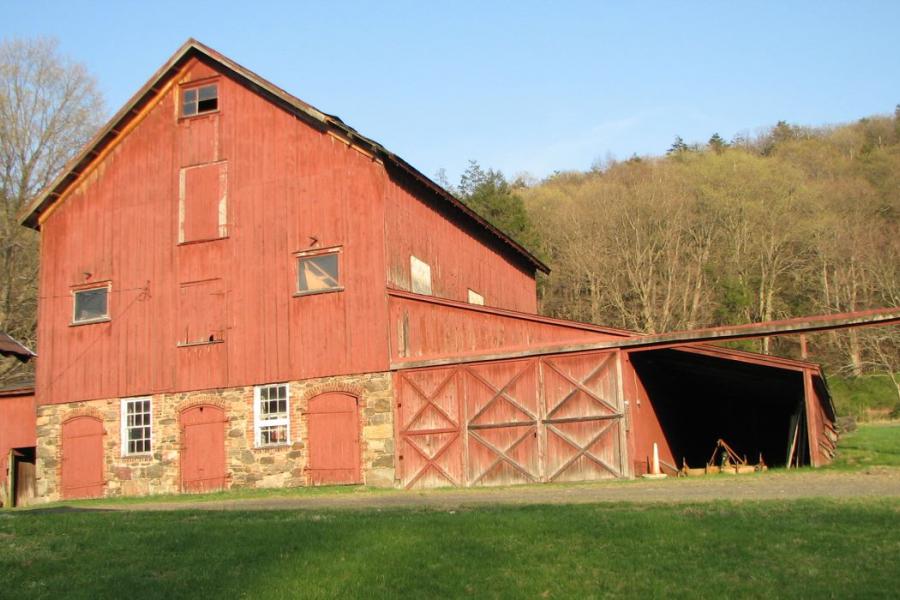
{"x": 30, "y": 215}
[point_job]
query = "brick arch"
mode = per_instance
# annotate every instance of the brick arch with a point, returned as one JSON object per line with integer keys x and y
{"x": 335, "y": 386}
{"x": 202, "y": 400}
{"x": 82, "y": 411}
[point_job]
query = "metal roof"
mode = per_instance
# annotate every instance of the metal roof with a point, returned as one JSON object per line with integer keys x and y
{"x": 11, "y": 347}
{"x": 30, "y": 215}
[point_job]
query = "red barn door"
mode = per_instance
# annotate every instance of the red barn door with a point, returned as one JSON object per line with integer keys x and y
{"x": 82, "y": 458}
{"x": 202, "y": 449}
{"x": 334, "y": 439}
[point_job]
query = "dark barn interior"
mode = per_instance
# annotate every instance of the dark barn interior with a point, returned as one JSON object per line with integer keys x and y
{"x": 699, "y": 399}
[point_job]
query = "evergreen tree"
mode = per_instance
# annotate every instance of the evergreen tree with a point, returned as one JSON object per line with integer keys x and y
{"x": 491, "y": 196}
{"x": 717, "y": 144}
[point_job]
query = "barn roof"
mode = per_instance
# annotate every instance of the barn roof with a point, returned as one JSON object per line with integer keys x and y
{"x": 10, "y": 347}
{"x": 31, "y": 214}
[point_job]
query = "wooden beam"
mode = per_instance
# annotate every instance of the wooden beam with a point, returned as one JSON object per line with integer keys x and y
{"x": 867, "y": 318}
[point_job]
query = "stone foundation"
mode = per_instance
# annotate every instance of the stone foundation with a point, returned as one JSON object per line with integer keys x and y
{"x": 247, "y": 465}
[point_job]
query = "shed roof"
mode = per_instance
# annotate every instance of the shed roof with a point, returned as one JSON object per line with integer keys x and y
{"x": 10, "y": 347}
{"x": 30, "y": 216}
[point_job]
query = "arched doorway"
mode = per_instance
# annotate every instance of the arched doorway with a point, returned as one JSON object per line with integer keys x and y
{"x": 334, "y": 452}
{"x": 82, "y": 458}
{"x": 202, "y": 448}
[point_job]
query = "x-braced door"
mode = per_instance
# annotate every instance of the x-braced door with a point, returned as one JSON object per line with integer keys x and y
{"x": 558, "y": 418}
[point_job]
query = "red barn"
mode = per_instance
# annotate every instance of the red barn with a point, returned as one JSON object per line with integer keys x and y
{"x": 238, "y": 289}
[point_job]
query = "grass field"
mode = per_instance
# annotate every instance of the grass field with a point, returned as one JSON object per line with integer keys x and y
{"x": 856, "y": 396}
{"x": 751, "y": 549}
{"x": 713, "y": 550}
{"x": 873, "y": 444}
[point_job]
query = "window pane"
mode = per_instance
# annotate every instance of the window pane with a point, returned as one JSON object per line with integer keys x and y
{"x": 208, "y": 92}
{"x": 90, "y": 304}
{"x": 190, "y": 96}
{"x": 318, "y": 273}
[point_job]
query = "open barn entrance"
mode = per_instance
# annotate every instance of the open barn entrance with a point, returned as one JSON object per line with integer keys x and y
{"x": 699, "y": 399}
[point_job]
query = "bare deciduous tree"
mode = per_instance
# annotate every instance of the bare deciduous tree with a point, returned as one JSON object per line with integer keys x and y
{"x": 49, "y": 107}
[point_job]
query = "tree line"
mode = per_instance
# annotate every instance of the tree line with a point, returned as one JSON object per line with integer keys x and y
{"x": 791, "y": 222}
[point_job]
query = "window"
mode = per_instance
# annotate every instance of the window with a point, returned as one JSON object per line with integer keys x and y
{"x": 91, "y": 305}
{"x": 421, "y": 276}
{"x": 137, "y": 428}
{"x": 318, "y": 272}
{"x": 271, "y": 416}
{"x": 199, "y": 100}
{"x": 475, "y": 298}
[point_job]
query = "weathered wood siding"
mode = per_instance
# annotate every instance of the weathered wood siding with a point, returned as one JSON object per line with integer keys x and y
{"x": 287, "y": 187}
{"x": 540, "y": 419}
{"x": 17, "y": 426}
{"x": 423, "y": 328}
{"x": 461, "y": 256}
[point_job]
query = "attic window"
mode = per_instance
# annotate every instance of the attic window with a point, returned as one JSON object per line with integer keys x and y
{"x": 318, "y": 272}
{"x": 199, "y": 100}
{"x": 475, "y": 298}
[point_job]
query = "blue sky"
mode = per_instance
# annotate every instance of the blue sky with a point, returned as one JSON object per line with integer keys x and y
{"x": 520, "y": 86}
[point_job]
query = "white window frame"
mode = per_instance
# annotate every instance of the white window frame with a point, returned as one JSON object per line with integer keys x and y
{"x": 259, "y": 423}
{"x": 475, "y": 298}
{"x": 420, "y": 268}
{"x": 93, "y": 288}
{"x": 123, "y": 419}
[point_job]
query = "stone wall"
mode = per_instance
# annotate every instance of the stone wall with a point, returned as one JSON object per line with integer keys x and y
{"x": 247, "y": 465}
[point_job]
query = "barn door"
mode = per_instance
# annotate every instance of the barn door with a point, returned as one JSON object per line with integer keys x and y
{"x": 202, "y": 449}
{"x": 82, "y": 458}
{"x": 334, "y": 453}
{"x": 429, "y": 452}
{"x": 583, "y": 419}
{"x": 502, "y": 414}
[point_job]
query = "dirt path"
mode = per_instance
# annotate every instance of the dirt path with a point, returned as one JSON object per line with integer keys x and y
{"x": 882, "y": 482}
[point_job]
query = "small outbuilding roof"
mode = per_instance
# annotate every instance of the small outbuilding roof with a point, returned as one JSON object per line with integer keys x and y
{"x": 11, "y": 347}
{"x": 30, "y": 216}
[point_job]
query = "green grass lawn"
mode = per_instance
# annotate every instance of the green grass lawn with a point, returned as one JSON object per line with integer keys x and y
{"x": 855, "y": 395}
{"x": 872, "y": 444}
{"x": 759, "y": 550}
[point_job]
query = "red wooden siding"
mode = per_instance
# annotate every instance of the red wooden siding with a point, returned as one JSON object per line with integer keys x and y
{"x": 333, "y": 439}
{"x": 643, "y": 424}
{"x": 459, "y": 258}
{"x": 289, "y": 188}
{"x": 202, "y": 449}
{"x": 423, "y": 328}
{"x": 517, "y": 421}
{"x": 17, "y": 426}
{"x": 82, "y": 458}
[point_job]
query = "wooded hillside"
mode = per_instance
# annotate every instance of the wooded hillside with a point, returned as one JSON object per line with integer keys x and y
{"x": 796, "y": 221}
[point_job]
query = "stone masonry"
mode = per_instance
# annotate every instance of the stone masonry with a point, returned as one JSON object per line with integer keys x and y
{"x": 247, "y": 465}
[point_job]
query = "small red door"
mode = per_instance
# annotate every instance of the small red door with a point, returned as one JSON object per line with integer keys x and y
{"x": 82, "y": 458}
{"x": 334, "y": 439}
{"x": 202, "y": 449}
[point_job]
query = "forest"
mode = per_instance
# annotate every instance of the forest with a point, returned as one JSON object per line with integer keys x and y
{"x": 793, "y": 221}
{"x": 789, "y": 222}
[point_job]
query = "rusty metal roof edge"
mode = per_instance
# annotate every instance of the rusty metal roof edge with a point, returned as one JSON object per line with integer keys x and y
{"x": 10, "y": 345}
{"x": 30, "y": 214}
{"x": 678, "y": 339}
